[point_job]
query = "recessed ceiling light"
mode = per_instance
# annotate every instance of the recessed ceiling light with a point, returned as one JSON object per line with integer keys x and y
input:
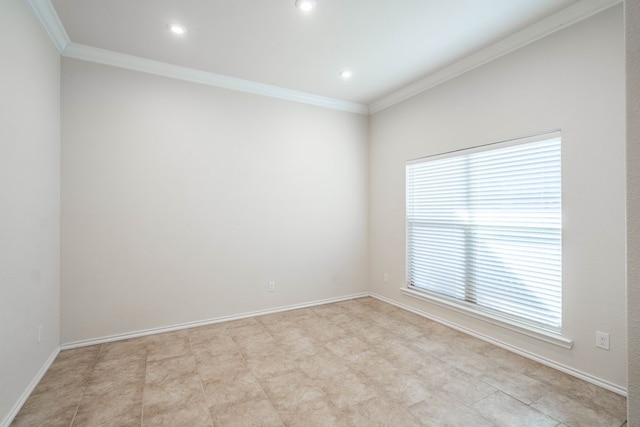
{"x": 346, "y": 74}
{"x": 306, "y": 5}
{"x": 177, "y": 29}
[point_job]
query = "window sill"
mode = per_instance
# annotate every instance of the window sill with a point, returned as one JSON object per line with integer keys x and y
{"x": 547, "y": 337}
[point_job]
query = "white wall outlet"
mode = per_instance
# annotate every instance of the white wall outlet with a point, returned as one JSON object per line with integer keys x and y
{"x": 39, "y": 334}
{"x": 602, "y": 340}
{"x": 272, "y": 286}
{"x": 385, "y": 277}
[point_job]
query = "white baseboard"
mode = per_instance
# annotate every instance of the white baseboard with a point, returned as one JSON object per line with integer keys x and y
{"x": 550, "y": 363}
{"x": 43, "y": 370}
{"x": 563, "y": 368}
{"x": 187, "y": 325}
{"x": 23, "y": 398}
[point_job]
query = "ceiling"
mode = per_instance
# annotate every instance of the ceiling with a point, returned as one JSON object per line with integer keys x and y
{"x": 387, "y": 44}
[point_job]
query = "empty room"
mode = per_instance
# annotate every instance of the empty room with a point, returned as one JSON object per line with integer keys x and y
{"x": 319, "y": 213}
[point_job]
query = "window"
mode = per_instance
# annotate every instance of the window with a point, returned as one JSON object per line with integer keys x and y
{"x": 484, "y": 230}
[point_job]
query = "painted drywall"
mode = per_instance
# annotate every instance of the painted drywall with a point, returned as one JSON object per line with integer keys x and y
{"x": 572, "y": 80}
{"x": 632, "y": 28}
{"x": 29, "y": 201}
{"x": 180, "y": 202}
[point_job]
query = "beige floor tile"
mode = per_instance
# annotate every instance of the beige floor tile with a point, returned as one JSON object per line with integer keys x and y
{"x": 172, "y": 344}
{"x": 471, "y": 363}
{"x": 301, "y": 315}
{"x": 517, "y": 385}
{"x": 380, "y": 412}
{"x": 408, "y": 389}
{"x": 205, "y": 334}
{"x": 328, "y": 310}
{"x": 232, "y": 390}
{"x": 434, "y": 346}
{"x": 214, "y": 347}
{"x": 217, "y": 367}
{"x": 513, "y": 362}
{"x": 188, "y": 416}
{"x": 40, "y": 410}
{"x": 256, "y": 345}
{"x": 134, "y": 347}
{"x": 347, "y": 348}
{"x": 65, "y": 381}
{"x": 589, "y": 394}
{"x": 439, "y": 330}
{"x": 107, "y": 389}
{"x": 323, "y": 331}
{"x": 373, "y": 335}
{"x": 158, "y": 371}
{"x": 505, "y": 411}
{"x": 612, "y": 403}
{"x": 107, "y": 384}
{"x": 400, "y": 328}
{"x": 252, "y": 413}
{"x": 174, "y": 394}
{"x": 322, "y": 365}
{"x": 443, "y": 410}
{"x": 273, "y": 318}
{"x": 465, "y": 388}
{"x": 79, "y": 359}
{"x": 272, "y": 365}
{"x": 112, "y": 377}
{"x": 564, "y": 382}
{"x": 406, "y": 358}
{"x": 123, "y": 409}
{"x": 244, "y": 328}
{"x": 374, "y": 367}
{"x": 422, "y": 322}
{"x": 171, "y": 383}
{"x": 291, "y": 389}
{"x": 345, "y": 320}
{"x": 574, "y": 412}
{"x": 359, "y": 363}
{"x": 281, "y": 329}
{"x": 314, "y": 413}
{"x": 303, "y": 347}
{"x": 240, "y": 323}
{"x": 290, "y": 333}
{"x": 346, "y": 389}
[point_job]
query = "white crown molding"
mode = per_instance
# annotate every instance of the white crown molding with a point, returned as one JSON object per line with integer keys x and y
{"x": 579, "y": 11}
{"x": 121, "y": 60}
{"x": 51, "y": 22}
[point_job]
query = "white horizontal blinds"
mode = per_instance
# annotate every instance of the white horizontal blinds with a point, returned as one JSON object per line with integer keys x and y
{"x": 484, "y": 228}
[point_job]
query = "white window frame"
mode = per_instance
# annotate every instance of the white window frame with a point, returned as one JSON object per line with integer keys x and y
{"x": 530, "y": 329}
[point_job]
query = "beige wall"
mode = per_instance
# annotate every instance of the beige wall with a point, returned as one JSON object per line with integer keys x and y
{"x": 29, "y": 201}
{"x": 572, "y": 80}
{"x": 632, "y": 25}
{"x": 180, "y": 202}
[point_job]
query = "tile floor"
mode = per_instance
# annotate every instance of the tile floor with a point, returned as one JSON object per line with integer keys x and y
{"x": 355, "y": 363}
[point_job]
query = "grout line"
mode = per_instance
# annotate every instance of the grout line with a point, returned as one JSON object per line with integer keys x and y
{"x": 204, "y": 395}
{"x": 254, "y": 375}
{"x": 84, "y": 391}
{"x": 355, "y": 310}
{"x": 144, "y": 383}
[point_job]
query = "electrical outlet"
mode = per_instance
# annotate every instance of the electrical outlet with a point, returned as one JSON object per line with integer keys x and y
{"x": 39, "y": 334}
{"x": 272, "y": 286}
{"x": 602, "y": 340}
{"x": 386, "y": 277}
